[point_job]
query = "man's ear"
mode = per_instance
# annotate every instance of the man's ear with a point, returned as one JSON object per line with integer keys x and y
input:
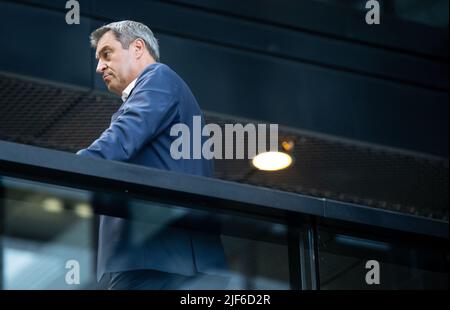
{"x": 139, "y": 47}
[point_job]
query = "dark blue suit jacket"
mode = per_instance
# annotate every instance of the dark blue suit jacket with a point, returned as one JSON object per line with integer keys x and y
{"x": 139, "y": 133}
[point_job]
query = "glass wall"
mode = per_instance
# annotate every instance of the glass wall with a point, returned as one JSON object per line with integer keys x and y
{"x": 364, "y": 262}
{"x": 44, "y": 228}
{"x": 49, "y": 238}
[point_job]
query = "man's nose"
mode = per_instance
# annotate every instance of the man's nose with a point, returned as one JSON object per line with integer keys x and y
{"x": 101, "y": 66}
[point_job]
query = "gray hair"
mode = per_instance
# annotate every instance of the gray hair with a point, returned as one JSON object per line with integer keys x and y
{"x": 126, "y": 32}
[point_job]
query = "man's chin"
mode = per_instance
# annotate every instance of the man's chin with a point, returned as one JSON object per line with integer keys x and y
{"x": 112, "y": 89}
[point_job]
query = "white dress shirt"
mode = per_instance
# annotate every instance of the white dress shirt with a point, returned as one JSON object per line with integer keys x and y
{"x": 126, "y": 92}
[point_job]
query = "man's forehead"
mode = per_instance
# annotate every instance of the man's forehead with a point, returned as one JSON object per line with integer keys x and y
{"x": 107, "y": 40}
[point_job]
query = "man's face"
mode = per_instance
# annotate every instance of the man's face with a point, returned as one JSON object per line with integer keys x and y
{"x": 115, "y": 63}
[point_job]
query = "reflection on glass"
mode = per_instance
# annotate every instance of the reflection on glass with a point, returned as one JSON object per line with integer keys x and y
{"x": 41, "y": 232}
{"x": 406, "y": 264}
{"x": 47, "y": 226}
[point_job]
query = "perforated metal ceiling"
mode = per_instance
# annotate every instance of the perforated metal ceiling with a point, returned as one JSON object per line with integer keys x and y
{"x": 65, "y": 118}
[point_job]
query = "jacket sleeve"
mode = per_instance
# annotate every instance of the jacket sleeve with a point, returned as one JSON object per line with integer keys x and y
{"x": 148, "y": 113}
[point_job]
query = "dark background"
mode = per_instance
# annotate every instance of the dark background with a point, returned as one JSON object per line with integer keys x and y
{"x": 313, "y": 65}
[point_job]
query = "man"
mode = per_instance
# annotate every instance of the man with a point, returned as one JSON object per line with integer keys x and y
{"x": 154, "y": 99}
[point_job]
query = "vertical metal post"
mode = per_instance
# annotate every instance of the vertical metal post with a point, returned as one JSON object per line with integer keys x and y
{"x": 294, "y": 258}
{"x": 2, "y": 233}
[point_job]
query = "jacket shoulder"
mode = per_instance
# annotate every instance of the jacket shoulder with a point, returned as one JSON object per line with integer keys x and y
{"x": 159, "y": 75}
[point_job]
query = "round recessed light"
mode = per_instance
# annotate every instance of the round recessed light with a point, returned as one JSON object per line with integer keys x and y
{"x": 272, "y": 161}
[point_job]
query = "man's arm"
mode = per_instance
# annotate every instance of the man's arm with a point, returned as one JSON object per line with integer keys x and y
{"x": 147, "y": 114}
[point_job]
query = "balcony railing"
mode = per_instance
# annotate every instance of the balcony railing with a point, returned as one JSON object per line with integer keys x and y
{"x": 50, "y": 202}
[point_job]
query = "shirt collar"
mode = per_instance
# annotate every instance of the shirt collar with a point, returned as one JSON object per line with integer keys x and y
{"x": 126, "y": 92}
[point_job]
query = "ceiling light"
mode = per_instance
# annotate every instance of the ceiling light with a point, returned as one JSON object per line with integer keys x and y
{"x": 287, "y": 145}
{"x": 83, "y": 210}
{"x": 52, "y": 205}
{"x": 272, "y": 161}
